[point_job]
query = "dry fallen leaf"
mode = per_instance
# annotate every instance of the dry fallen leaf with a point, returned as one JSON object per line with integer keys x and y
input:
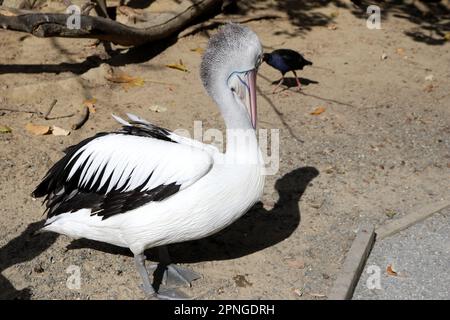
{"x": 90, "y": 103}
{"x": 332, "y": 27}
{"x": 178, "y": 66}
{"x": 318, "y": 111}
{"x": 37, "y": 129}
{"x": 198, "y": 50}
{"x": 400, "y": 51}
{"x": 5, "y": 129}
{"x": 390, "y": 271}
{"x": 126, "y": 80}
{"x": 57, "y": 131}
{"x": 298, "y": 292}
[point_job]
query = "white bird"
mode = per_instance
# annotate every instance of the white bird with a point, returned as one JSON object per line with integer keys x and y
{"x": 144, "y": 186}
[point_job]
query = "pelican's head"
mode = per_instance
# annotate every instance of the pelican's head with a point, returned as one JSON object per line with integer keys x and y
{"x": 228, "y": 71}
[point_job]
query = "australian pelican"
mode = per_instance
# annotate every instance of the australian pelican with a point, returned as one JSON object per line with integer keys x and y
{"x": 144, "y": 186}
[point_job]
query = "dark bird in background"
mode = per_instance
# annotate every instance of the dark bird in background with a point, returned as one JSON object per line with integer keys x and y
{"x": 285, "y": 60}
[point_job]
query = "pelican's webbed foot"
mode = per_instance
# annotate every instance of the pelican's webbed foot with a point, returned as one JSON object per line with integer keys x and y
{"x": 172, "y": 274}
{"x": 179, "y": 276}
{"x": 149, "y": 290}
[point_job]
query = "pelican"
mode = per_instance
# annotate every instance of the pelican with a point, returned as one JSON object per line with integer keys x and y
{"x": 144, "y": 186}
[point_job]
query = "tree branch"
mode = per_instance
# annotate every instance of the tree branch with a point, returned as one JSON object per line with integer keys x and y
{"x": 55, "y": 24}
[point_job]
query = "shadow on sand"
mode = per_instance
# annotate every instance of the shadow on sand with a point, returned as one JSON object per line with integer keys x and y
{"x": 25, "y": 247}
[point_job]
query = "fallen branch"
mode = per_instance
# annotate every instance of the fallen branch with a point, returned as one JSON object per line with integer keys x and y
{"x": 55, "y": 24}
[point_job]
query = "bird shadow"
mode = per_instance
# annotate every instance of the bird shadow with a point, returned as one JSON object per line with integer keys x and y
{"x": 22, "y": 248}
{"x": 290, "y": 82}
{"x": 258, "y": 229}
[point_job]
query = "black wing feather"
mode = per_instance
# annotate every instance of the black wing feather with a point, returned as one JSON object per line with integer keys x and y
{"x": 62, "y": 195}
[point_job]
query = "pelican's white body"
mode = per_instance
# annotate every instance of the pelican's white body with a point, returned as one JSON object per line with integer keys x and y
{"x": 215, "y": 188}
{"x": 231, "y": 186}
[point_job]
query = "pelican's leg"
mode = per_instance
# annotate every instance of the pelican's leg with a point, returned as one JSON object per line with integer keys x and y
{"x": 298, "y": 81}
{"x": 169, "y": 294}
{"x": 175, "y": 275}
{"x": 139, "y": 260}
{"x": 279, "y": 84}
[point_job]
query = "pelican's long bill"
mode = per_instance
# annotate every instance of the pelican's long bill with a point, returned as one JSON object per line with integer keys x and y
{"x": 246, "y": 91}
{"x": 251, "y": 80}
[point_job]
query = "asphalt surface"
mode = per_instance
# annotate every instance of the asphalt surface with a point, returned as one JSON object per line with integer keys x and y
{"x": 420, "y": 263}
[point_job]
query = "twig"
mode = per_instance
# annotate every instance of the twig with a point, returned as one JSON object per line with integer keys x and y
{"x": 50, "y": 109}
{"x": 62, "y": 117}
{"x": 24, "y": 111}
{"x": 84, "y": 116}
{"x": 160, "y": 82}
{"x": 39, "y": 113}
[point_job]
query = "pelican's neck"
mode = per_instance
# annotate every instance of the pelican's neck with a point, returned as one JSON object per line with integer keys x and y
{"x": 240, "y": 134}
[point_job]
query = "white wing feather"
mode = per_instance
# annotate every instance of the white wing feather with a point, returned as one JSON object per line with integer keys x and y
{"x": 138, "y": 159}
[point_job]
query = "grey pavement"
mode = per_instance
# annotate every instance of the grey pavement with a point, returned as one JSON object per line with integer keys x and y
{"x": 420, "y": 255}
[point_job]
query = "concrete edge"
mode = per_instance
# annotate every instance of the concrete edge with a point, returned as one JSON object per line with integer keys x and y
{"x": 354, "y": 263}
{"x": 419, "y": 214}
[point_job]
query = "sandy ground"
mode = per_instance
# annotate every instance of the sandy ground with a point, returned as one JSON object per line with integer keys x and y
{"x": 380, "y": 148}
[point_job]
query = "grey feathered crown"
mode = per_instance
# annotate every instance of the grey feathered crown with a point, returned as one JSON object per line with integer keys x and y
{"x": 231, "y": 40}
